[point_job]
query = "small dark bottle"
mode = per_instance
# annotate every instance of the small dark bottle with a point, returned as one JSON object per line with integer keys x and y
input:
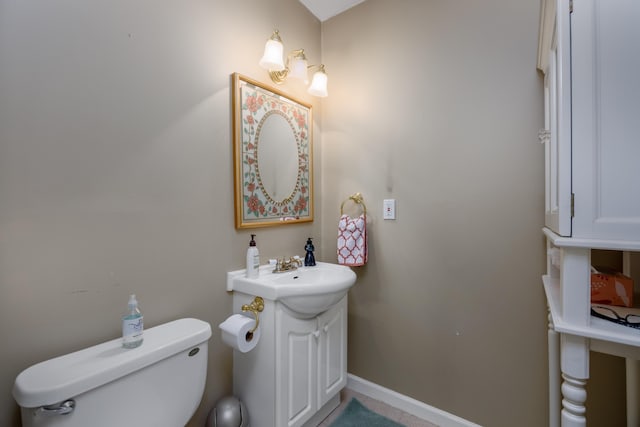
{"x": 309, "y": 259}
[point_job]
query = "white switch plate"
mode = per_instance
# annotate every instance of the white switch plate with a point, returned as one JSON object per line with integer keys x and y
{"x": 389, "y": 209}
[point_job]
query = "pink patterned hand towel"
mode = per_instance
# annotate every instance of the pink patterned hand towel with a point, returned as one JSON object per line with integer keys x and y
{"x": 352, "y": 240}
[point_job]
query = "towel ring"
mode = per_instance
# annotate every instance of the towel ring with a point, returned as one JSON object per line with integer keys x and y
{"x": 357, "y": 198}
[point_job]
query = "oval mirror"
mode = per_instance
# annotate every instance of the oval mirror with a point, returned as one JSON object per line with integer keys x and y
{"x": 277, "y": 158}
{"x": 272, "y": 156}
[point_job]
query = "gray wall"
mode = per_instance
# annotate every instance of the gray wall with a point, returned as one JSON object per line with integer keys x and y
{"x": 116, "y": 169}
{"x": 438, "y": 104}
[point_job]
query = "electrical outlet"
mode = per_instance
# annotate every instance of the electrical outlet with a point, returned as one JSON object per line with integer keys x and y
{"x": 389, "y": 209}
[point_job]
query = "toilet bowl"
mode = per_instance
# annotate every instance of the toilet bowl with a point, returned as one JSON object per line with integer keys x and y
{"x": 159, "y": 384}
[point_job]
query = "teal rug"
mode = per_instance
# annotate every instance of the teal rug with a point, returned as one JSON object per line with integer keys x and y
{"x": 357, "y": 415}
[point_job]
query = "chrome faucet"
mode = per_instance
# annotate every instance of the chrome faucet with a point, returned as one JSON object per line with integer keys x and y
{"x": 291, "y": 264}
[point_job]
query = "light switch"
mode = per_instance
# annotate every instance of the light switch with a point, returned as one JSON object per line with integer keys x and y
{"x": 389, "y": 209}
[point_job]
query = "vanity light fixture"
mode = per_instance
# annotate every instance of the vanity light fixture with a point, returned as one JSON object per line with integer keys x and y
{"x": 296, "y": 66}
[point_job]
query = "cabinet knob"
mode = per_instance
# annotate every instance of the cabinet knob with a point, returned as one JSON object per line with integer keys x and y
{"x": 544, "y": 135}
{"x": 326, "y": 328}
{"x": 316, "y": 333}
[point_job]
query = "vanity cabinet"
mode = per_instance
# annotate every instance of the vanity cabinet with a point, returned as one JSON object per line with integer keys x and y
{"x": 313, "y": 357}
{"x": 589, "y": 56}
{"x": 293, "y": 377}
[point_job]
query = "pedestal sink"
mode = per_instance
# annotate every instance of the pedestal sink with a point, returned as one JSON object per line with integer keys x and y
{"x": 307, "y": 291}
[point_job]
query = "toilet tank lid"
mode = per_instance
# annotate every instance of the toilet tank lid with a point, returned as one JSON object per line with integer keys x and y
{"x": 67, "y": 376}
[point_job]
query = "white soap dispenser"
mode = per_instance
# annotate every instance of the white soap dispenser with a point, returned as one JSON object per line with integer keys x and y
{"x": 253, "y": 259}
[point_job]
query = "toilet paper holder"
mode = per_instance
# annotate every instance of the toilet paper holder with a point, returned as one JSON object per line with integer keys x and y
{"x": 255, "y": 307}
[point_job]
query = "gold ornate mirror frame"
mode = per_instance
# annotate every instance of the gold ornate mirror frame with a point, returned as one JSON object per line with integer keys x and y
{"x": 257, "y": 107}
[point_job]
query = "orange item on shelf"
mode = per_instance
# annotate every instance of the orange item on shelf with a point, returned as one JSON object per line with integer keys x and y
{"x": 611, "y": 288}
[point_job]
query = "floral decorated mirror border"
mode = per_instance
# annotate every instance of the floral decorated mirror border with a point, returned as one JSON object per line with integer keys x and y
{"x": 253, "y": 102}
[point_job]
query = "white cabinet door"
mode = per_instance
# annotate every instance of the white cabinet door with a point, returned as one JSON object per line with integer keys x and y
{"x": 311, "y": 363}
{"x": 557, "y": 84}
{"x": 605, "y": 61}
{"x": 298, "y": 340}
{"x": 332, "y": 358}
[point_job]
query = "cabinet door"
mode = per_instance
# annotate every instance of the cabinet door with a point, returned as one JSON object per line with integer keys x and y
{"x": 557, "y": 122}
{"x": 332, "y": 362}
{"x": 296, "y": 369}
{"x": 605, "y": 62}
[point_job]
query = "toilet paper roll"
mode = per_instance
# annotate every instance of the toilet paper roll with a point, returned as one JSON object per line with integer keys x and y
{"x": 235, "y": 332}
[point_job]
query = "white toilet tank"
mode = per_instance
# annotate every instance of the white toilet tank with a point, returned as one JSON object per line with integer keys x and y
{"x": 159, "y": 384}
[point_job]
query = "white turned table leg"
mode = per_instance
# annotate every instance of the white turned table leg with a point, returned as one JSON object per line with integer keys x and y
{"x": 574, "y": 354}
{"x": 574, "y": 398}
{"x": 633, "y": 392}
{"x": 553, "y": 340}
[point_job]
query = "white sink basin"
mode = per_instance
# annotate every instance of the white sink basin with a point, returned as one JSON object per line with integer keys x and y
{"x": 307, "y": 291}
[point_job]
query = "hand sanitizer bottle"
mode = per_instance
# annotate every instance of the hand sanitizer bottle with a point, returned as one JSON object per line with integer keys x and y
{"x": 132, "y": 325}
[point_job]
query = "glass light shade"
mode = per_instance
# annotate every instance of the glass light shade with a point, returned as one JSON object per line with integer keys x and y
{"x": 272, "y": 58}
{"x": 298, "y": 69}
{"x": 319, "y": 84}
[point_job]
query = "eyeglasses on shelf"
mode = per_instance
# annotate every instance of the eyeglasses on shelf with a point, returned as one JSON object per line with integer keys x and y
{"x": 607, "y": 313}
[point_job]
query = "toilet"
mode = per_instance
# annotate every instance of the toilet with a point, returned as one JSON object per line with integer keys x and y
{"x": 159, "y": 384}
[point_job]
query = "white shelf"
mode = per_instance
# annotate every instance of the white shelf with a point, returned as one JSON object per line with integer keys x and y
{"x": 599, "y": 329}
{"x": 576, "y": 242}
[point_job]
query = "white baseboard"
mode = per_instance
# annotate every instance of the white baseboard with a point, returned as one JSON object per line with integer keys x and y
{"x": 407, "y": 404}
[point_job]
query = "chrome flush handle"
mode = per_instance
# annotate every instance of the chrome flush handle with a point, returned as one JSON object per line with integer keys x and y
{"x": 62, "y": 408}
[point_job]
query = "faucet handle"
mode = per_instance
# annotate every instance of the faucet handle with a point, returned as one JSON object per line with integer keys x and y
{"x": 282, "y": 264}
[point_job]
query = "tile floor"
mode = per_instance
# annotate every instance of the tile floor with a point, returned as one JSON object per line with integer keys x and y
{"x": 377, "y": 406}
